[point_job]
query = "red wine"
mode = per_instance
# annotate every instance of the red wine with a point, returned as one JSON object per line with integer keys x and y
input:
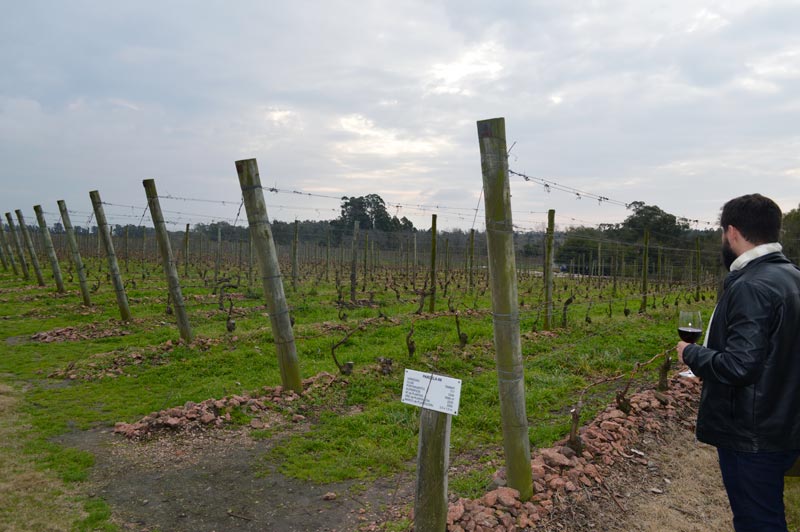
{"x": 689, "y": 334}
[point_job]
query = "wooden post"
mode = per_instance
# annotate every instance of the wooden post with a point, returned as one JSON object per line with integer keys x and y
{"x": 258, "y": 220}
{"x": 294, "y": 255}
{"x": 432, "y": 303}
{"x": 127, "y": 248}
{"x": 697, "y": 269}
{"x": 167, "y": 260}
{"x": 26, "y": 237}
{"x": 218, "y": 258}
{"x": 433, "y": 460}
{"x": 415, "y": 256}
{"x": 643, "y": 307}
{"x": 49, "y": 248}
{"x": 366, "y": 258}
{"x": 354, "y": 260}
{"x": 144, "y": 248}
{"x": 76, "y": 254}
{"x": 471, "y": 266}
{"x": 186, "y": 252}
{"x": 7, "y": 249}
{"x": 3, "y": 253}
{"x": 548, "y": 270}
{"x": 250, "y": 260}
{"x": 503, "y": 283}
{"x": 328, "y": 256}
{"x": 113, "y": 267}
{"x": 18, "y": 247}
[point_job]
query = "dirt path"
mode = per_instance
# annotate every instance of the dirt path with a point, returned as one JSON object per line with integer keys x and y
{"x": 679, "y": 490}
{"x": 218, "y": 481}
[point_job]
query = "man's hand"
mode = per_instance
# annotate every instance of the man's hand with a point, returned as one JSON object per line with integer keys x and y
{"x": 679, "y": 348}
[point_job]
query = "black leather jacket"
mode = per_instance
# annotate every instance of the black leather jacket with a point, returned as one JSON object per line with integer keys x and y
{"x": 751, "y": 369}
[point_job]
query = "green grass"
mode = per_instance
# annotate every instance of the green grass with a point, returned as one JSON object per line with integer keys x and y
{"x": 358, "y": 430}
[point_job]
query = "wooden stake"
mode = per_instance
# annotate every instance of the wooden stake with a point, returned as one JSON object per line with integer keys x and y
{"x": 294, "y": 255}
{"x": 76, "y": 254}
{"x": 26, "y": 237}
{"x": 113, "y": 267}
{"x": 186, "y": 252}
{"x": 643, "y": 307}
{"x": 432, "y": 303}
{"x": 253, "y": 197}
{"x": 503, "y": 283}
{"x": 49, "y": 248}
{"x": 18, "y": 247}
{"x": 433, "y": 460}
{"x": 548, "y": 270}
{"x": 7, "y": 250}
{"x": 471, "y": 265}
{"x": 170, "y": 269}
{"x": 353, "y": 268}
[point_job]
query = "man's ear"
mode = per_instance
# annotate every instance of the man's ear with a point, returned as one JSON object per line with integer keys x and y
{"x": 734, "y": 235}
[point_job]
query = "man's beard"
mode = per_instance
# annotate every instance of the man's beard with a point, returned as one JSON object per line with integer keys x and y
{"x": 728, "y": 256}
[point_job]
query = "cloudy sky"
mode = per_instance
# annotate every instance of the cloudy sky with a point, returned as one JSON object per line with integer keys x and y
{"x": 680, "y": 104}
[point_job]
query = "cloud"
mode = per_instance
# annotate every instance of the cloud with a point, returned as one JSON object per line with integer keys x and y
{"x": 630, "y": 100}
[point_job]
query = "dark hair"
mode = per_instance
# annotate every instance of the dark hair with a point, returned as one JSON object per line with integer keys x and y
{"x": 757, "y": 217}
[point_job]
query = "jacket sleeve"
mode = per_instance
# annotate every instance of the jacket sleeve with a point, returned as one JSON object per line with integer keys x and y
{"x": 747, "y": 330}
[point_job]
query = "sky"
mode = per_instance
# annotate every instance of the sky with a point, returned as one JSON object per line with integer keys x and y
{"x": 679, "y": 104}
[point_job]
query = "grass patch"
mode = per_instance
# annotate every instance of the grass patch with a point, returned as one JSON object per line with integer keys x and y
{"x": 359, "y": 430}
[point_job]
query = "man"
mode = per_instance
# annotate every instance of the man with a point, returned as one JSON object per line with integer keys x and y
{"x": 750, "y": 403}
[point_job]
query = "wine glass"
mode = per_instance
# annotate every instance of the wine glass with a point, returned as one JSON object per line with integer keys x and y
{"x": 690, "y": 325}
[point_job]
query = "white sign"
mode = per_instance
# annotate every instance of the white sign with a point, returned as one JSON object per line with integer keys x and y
{"x": 431, "y": 391}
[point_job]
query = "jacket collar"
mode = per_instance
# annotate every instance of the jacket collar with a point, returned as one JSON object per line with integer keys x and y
{"x": 751, "y": 254}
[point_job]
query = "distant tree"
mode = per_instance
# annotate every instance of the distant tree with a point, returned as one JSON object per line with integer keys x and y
{"x": 370, "y": 213}
{"x": 579, "y": 242}
{"x": 662, "y": 225}
{"x": 791, "y": 235}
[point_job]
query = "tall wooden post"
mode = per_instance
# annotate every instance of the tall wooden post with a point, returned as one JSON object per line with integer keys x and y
{"x": 697, "y": 269}
{"x": 113, "y": 267}
{"x": 167, "y": 260}
{"x": 503, "y": 282}
{"x": 18, "y": 247}
{"x": 75, "y": 251}
{"x": 49, "y": 248}
{"x": 294, "y": 255}
{"x": 328, "y": 256}
{"x": 432, "y": 303}
{"x": 433, "y": 460}
{"x": 127, "y": 247}
{"x": 186, "y": 252}
{"x": 218, "y": 258}
{"x": 250, "y": 259}
{"x": 353, "y": 265}
{"x": 3, "y": 255}
{"x": 260, "y": 230}
{"x": 26, "y": 237}
{"x": 471, "y": 265}
{"x": 645, "y": 268}
{"x": 548, "y": 270}
{"x": 144, "y": 249}
{"x": 7, "y": 249}
{"x": 366, "y": 258}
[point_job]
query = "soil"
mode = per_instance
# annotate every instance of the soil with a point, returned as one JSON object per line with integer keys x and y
{"x": 218, "y": 481}
{"x": 680, "y": 490}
